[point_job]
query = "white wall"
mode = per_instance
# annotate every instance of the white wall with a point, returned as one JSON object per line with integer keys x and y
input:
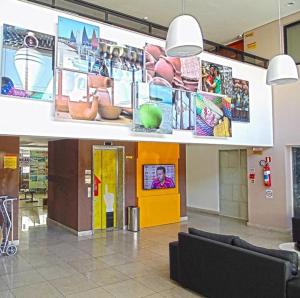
{"x": 29, "y": 118}
{"x": 202, "y": 177}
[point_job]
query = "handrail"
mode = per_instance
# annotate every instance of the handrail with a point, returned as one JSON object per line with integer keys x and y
{"x": 150, "y": 28}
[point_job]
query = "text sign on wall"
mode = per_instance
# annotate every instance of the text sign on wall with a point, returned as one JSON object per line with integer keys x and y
{"x": 10, "y": 162}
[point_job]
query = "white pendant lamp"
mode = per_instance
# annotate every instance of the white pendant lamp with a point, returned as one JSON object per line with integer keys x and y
{"x": 184, "y": 38}
{"x": 282, "y": 68}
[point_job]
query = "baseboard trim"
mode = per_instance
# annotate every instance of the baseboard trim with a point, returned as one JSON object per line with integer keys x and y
{"x": 272, "y": 229}
{"x": 51, "y": 221}
{"x": 85, "y": 233}
{"x": 184, "y": 218}
{"x": 15, "y": 242}
{"x": 199, "y": 210}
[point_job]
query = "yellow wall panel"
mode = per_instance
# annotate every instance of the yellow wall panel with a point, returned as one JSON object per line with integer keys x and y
{"x": 159, "y": 206}
{"x": 159, "y": 210}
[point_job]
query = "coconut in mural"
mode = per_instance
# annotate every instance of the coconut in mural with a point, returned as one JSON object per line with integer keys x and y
{"x": 153, "y": 109}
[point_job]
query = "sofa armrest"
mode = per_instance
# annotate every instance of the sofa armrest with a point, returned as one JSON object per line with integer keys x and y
{"x": 173, "y": 258}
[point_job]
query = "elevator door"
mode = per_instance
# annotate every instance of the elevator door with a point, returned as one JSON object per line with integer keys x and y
{"x": 108, "y": 191}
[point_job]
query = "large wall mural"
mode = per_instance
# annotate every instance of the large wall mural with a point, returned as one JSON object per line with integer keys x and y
{"x": 99, "y": 80}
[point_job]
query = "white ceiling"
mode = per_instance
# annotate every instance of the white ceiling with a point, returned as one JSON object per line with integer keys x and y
{"x": 221, "y": 21}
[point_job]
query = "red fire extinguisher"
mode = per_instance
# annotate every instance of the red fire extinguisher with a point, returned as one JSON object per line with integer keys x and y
{"x": 266, "y": 170}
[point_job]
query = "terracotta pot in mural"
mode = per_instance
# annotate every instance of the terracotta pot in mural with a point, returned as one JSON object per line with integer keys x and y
{"x": 191, "y": 85}
{"x": 176, "y": 64}
{"x": 103, "y": 97}
{"x": 109, "y": 112}
{"x": 155, "y": 51}
{"x": 150, "y": 66}
{"x": 61, "y": 103}
{"x": 95, "y": 81}
{"x": 160, "y": 81}
{"x": 165, "y": 69}
{"x": 82, "y": 110}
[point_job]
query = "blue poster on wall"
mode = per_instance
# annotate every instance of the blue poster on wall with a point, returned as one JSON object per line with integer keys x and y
{"x": 27, "y": 63}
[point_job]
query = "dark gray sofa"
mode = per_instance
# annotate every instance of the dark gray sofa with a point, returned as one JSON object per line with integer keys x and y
{"x": 221, "y": 270}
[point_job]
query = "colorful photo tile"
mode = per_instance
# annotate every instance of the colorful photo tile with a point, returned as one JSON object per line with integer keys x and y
{"x": 127, "y": 63}
{"x": 120, "y": 62}
{"x": 153, "y": 109}
{"x": 213, "y": 115}
{"x": 78, "y": 46}
{"x": 91, "y": 97}
{"x": 240, "y": 101}
{"x": 178, "y": 73}
{"x": 216, "y": 78}
{"x": 27, "y": 63}
{"x": 183, "y": 110}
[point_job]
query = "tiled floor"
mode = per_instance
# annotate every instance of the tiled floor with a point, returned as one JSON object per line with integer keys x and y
{"x": 51, "y": 262}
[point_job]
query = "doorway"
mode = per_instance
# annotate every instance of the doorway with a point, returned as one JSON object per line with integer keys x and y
{"x": 233, "y": 183}
{"x": 108, "y": 187}
{"x": 296, "y": 180}
{"x": 33, "y": 186}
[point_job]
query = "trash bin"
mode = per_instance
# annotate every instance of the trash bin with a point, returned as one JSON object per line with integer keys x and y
{"x": 133, "y": 219}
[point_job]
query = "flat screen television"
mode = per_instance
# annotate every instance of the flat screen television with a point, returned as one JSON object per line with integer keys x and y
{"x": 160, "y": 176}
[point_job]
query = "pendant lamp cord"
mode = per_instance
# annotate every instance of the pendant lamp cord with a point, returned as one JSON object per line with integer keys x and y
{"x": 182, "y": 6}
{"x": 279, "y": 25}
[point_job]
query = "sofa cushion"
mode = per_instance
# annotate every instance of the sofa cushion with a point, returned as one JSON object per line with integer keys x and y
{"x": 290, "y": 256}
{"x": 293, "y": 288}
{"x": 212, "y": 236}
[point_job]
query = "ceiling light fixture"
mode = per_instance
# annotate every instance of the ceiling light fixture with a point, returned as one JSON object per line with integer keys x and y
{"x": 184, "y": 38}
{"x": 282, "y": 68}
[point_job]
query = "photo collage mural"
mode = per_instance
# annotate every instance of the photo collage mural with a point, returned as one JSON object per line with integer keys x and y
{"x": 102, "y": 81}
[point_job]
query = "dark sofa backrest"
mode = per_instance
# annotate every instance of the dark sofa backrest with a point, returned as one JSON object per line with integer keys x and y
{"x": 219, "y": 270}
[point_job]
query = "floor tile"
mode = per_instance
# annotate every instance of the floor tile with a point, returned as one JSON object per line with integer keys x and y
{"x": 36, "y": 291}
{"x": 20, "y": 279}
{"x": 72, "y": 284}
{"x": 86, "y": 265}
{"x": 129, "y": 289}
{"x": 156, "y": 295}
{"x": 106, "y": 276}
{"x": 6, "y": 294}
{"x": 155, "y": 282}
{"x": 178, "y": 292}
{"x": 3, "y": 284}
{"x": 115, "y": 259}
{"x": 94, "y": 293}
{"x": 56, "y": 271}
{"x": 135, "y": 269}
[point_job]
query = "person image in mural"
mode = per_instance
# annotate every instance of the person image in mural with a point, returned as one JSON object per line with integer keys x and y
{"x": 240, "y": 99}
{"x": 161, "y": 180}
{"x": 212, "y": 79}
{"x": 216, "y": 86}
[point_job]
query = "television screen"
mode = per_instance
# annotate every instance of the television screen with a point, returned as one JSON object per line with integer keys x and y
{"x": 159, "y": 176}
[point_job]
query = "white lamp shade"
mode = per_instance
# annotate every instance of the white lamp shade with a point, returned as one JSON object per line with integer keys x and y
{"x": 184, "y": 38}
{"x": 282, "y": 70}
